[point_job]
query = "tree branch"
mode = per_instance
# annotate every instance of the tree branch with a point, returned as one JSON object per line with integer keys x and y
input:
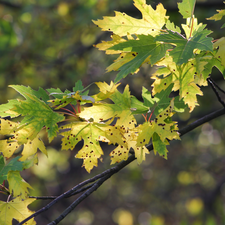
{"x": 10, "y": 5}
{"x": 107, "y": 172}
{"x": 212, "y": 84}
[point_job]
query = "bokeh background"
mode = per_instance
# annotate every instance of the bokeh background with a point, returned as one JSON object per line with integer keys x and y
{"x": 50, "y": 44}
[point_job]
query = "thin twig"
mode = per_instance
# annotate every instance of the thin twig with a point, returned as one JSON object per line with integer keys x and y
{"x": 111, "y": 171}
{"x": 92, "y": 189}
{"x": 54, "y": 197}
{"x": 216, "y": 92}
{"x": 217, "y": 86}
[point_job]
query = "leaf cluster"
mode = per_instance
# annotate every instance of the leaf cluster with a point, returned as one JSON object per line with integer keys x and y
{"x": 184, "y": 61}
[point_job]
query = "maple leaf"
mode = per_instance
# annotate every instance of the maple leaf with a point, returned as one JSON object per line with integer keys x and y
{"x": 37, "y": 115}
{"x": 17, "y": 185}
{"x": 27, "y": 91}
{"x": 7, "y": 127}
{"x": 146, "y": 50}
{"x": 122, "y": 151}
{"x": 159, "y": 146}
{"x": 183, "y": 78}
{"x": 138, "y": 107}
{"x": 17, "y": 137}
{"x": 170, "y": 26}
{"x": 64, "y": 98}
{"x": 212, "y": 61}
{"x": 105, "y": 90}
{"x": 185, "y": 47}
{"x": 91, "y": 133}
{"x": 163, "y": 101}
{"x": 151, "y": 23}
{"x": 12, "y": 165}
{"x": 120, "y": 109}
{"x": 5, "y": 109}
{"x": 218, "y": 16}
{"x": 161, "y": 126}
{"x": 186, "y": 8}
{"x": 8, "y": 147}
{"x": 30, "y": 148}
{"x": 220, "y": 45}
{"x": 105, "y": 45}
{"x": 194, "y": 28}
{"x": 16, "y": 209}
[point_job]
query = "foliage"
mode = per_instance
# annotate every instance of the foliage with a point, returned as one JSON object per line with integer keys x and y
{"x": 184, "y": 63}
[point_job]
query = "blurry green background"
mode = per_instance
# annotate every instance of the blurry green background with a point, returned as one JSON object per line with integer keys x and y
{"x": 50, "y": 44}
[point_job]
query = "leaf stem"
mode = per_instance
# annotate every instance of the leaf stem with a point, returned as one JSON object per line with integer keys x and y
{"x": 192, "y": 20}
{"x": 73, "y": 108}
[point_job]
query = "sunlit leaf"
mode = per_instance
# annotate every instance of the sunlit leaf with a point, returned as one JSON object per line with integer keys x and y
{"x": 17, "y": 185}
{"x": 16, "y": 209}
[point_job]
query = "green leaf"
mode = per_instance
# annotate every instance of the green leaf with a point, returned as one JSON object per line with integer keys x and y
{"x": 185, "y": 47}
{"x": 137, "y": 106}
{"x": 159, "y": 146}
{"x": 146, "y": 49}
{"x": 163, "y": 101}
{"x": 12, "y": 165}
{"x": 5, "y": 109}
{"x": 25, "y": 91}
{"x": 37, "y": 114}
{"x": 171, "y": 26}
{"x": 17, "y": 185}
{"x": 57, "y": 93}
{"x": 186, "y": 8}
{"x": 147, "y": 97}
{"x": 79, "y": 87}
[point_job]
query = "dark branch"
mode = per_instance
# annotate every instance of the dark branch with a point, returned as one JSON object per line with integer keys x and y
{"x": 107, "y": 172}
{"x": 217, "y": 86}
{"x": 10, "y": 5}
{"x": 92, "y": 189}
{"x": 212, "y": 84}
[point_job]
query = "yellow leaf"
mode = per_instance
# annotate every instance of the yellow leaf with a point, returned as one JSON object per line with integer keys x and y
{"x": 190, "y": 30}
{"x": 121, "y": 60}
{"x": 161, "y": 128}
{"x": 8, "y": 147}
{"x": 131, "y": 138}
{"x": 221, "y": 51}
{"x": 119, "y": 154}
{"x": 7, "y": 127}
{"x": 15, "y": 209}
{"x": 121, "y": 109}
{"x": 151, "y": 23}
{"x": 122, "y": 151}
{"x": 105, "y": 90}
{"x": 107, "y": 44}
{"x": 91, "y": 151}
{"x": 185, "y": 79}
{"x": 17, "y": 185}
{"x": 91, "y": 133}
{"x": 31, "y": 147}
